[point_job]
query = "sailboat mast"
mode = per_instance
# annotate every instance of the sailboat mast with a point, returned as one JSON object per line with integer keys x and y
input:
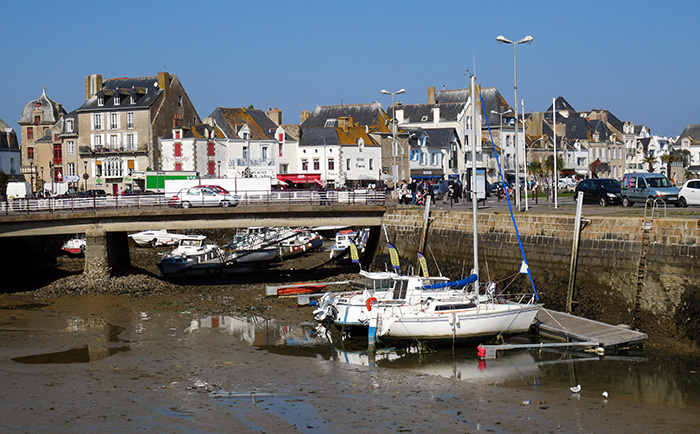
{"x": 475, "y": 205}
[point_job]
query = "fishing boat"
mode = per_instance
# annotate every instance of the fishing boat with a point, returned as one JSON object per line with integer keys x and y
{"x": 303, "y": 241}
{"x": 75, "y": 246}
{"x": 344, "y": 238}
{"x": 193, "y": 252}
{"x": 155, "y": 238}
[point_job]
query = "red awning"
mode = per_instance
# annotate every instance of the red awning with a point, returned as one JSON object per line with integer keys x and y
{"x": 301, "y": 178}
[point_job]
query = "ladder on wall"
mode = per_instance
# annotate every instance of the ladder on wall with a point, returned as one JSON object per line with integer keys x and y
{"x": 651, "y": 210}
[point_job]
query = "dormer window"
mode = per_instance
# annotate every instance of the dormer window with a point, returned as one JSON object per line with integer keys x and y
{"x": 117, "y": 99}
{"x": 331, "y": 123}
{"x": 69, "y": 125}
{"x": 100, "y": 100}
{"x": 360, "y": 145}
{"x": 133, "y": 99}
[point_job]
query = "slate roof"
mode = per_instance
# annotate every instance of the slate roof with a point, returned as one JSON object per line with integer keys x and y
{"x": 49, "y": 132}
{"x": 336, "y": 136}
{"x": 292, "y": 131}
{"x": 52, "y": 110}
{"x": 197, "y": 131}
{"x": 645, "y": 143}
{"x": 454, "y": 95}
{"x": 8, "y": 137}
{"x": 493, "y": 100}
{"x": 601, "y": 127}
{"x": 562, "y": 104}
{"x": 423, "y": 112}
{"x": 612, "y": 119}
{"x": 145, "y": 89}
{"x": 370, "y": 115}
{"x": 436, "y": 137}
{"x": 231, "y": 120}
{"x": 692, "y": 132}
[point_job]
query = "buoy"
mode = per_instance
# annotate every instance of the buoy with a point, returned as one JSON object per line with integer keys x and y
{"x": 370, "y": 301}
{"x": 481, "y": 351}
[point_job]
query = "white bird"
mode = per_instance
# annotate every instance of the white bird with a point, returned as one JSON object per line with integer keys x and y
{"x": 605, "y": 394}
{"x": 576, "y": 388}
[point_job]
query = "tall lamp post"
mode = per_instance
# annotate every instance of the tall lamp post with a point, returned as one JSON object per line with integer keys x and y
{"x": 51, "y": 175}
{"x": 85, "y": 175}
{"x": 394, "y": 146}
{"x": 31, "y": 173}
{"x": 500, "y": 127}
{"x": 526, "y": 40}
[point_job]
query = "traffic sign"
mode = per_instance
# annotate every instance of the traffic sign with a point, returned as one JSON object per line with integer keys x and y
{"x": 86, "y": 176}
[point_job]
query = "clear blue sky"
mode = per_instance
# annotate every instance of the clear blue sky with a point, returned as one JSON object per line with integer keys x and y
{"x": 638, "y": 59}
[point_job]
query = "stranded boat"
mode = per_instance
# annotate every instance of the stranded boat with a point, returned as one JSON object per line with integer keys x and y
{"x": 75, "y": 246}
{"x": 344, "y": 238}
{"x": 155, "y": 238}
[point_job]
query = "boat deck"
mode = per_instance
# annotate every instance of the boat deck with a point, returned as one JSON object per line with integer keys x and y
{"x": 576, "y": 329}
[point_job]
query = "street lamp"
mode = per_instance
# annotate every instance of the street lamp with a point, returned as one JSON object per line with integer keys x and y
{"x": 394, "y": 147}
{"x": 31, "y": 173}
{"x": 526, "y": 40}
{"x": 85, "y": 175}
{"x": 51, "y": 176}
{"x": 218, "y": 168}
{"x": 500, "y": 127}
{"x": 42, "y": 180}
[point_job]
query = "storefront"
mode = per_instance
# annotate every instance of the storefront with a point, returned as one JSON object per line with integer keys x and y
{"x": 302, "y": 180}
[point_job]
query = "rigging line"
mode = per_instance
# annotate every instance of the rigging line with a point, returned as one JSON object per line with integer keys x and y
{"x": 510, "y": 207}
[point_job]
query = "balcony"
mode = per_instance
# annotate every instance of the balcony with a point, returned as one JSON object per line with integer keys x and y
{"x": 112, "y": 149}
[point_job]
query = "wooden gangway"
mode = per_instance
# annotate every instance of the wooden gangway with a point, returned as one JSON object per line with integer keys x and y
{"x": 573, "y": 328}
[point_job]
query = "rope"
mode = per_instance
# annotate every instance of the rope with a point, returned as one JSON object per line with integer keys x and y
{"x": 512, "y": 217}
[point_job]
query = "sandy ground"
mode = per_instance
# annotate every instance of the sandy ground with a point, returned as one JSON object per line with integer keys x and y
{"x": 159, "y": 362}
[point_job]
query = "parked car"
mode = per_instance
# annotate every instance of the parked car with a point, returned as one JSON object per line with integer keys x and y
{"x": 202, "y": 196}
{"x": 689, "y": 193}
{"x": 639, "y": 187}
{"x": 497, "y": 187}
{"x": 216, "y": 188}
{"x": 603, "y": 191}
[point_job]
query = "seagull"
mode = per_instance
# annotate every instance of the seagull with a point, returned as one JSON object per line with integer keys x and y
{"x": 605, "y": 394}
{"x": 576, "y": 388}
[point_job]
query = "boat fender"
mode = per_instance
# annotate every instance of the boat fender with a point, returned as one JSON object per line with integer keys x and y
{"x": 370, "y": 301}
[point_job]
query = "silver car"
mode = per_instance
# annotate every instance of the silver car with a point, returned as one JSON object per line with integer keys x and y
{"x": 202, "y": 196}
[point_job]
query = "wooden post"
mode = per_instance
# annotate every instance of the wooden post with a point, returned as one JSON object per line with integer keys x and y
{"x": 574, "y": 253}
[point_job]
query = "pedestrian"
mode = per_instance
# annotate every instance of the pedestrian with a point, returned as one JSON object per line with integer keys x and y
{"x": 451, "y": 193}
{"x": 412, "y": 187}
{"x": 443, "y": 191}
{"x": 457, "y": 191}
{"x": 403, "y": 193}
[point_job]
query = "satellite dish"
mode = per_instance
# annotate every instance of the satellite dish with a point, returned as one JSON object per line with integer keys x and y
{"x": 155, "y": 84}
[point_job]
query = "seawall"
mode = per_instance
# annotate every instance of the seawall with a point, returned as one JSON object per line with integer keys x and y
{"x": 624, "y": 276}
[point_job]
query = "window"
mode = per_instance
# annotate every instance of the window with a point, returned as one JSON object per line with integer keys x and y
{"x": 69, "y": 125}
{"x": 331, "y": 123}
{"x": 245, "y": 153}
{"x": 100, "y": 100}
{"x": 348, "y": 164}
{"x": 71, "y": 169}
{"x": 177, "y": 134}
{"x": 178, "y": 167}
{"x": 133, "y": 99}
{"x": 97, "y": 141}
{"x": 30, "y": 133}
{"x": 211, "y": 169}
{"x": 57, "y": 153}
{"x": 304, "y": 165}
{"x": 265, "y": 153}
{"x": 178, "y": 149}
{"x": 97, "y": 121}
{"x": 113, "y": 141}
{"x": 114, "y": 121}
{"x": 331, "y": 164}
{"x": 371, "y": 164}
{"x": 317, "y": 164}
{"x": 210, "y": 149}
{"x": 37, "y": 120}
{"x": 281, "y": 150}
{"x": 30, "y": 152}
{"x": 70, "y": 147}
{"x": 130, "y": 120}
{"x": 98, "y": 168}
{"x": 131, "y": 142}
{"x": 179, "y": 100}
{"x": 117, "y": 99}
{"x": 113, "y": 168}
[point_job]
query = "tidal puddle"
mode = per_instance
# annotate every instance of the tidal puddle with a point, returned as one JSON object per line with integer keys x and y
{"x": 85, "y": 354}
{"x": 637, "y": 376}
{"x": 293, "y": 410}
{"x": 27, "y": 306}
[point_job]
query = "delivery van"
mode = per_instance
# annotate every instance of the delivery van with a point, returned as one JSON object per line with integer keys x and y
{"x": 18, "y": 190}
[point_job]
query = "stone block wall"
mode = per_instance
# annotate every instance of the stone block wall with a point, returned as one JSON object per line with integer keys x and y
{"x": 608, "y": 264}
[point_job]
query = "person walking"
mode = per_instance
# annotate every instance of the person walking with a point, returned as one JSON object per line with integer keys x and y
{"x": 412, "y": 187}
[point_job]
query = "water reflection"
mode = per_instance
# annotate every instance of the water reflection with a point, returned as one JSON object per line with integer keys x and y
{"x": 632, "y": 376}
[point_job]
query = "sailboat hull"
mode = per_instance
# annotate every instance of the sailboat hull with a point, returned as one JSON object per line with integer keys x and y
{"x": 475, "y": 325}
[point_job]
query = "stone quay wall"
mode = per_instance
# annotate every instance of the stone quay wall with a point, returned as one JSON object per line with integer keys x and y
{"x": 613, "y": 282}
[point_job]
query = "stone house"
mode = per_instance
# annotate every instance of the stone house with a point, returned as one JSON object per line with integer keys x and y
{"x": 38, "y": 116}
{"x": 119, "y": 124}
{"x": 10, "y": 153}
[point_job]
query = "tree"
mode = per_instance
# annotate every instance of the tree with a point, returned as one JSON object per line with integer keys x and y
{"x": 548, "y": 164}
{"x": 649, "y": 160}
{"x": 668, "y": 159}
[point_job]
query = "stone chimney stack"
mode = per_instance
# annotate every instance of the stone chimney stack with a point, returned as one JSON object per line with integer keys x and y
{"x": 304, "y": 116}
{"x": 164, "y": 81}
{"x": 431, "y": 94}
{"x": 177, "y": 121}
{"x": 275, "y": 116}
{"x": 93, "y": 84}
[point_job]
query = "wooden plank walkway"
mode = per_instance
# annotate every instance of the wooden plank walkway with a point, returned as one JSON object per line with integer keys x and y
{"x": 573, "y": 328}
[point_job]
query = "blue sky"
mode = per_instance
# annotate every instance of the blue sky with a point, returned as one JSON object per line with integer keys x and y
{"x": 638, "y": 59}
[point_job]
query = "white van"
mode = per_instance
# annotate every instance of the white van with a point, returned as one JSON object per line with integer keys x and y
{"x": 17, "y": 190}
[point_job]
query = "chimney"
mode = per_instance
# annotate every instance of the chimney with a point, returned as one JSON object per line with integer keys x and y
{"x": 304, "y": 116}
{"x": 275, "y": 116}
{"x": 177, "y": 121}
{"x": 436, "y": 114}
{"x": 93, "y": 84}
{"x": 398, "y": 112}
{"x": 344, "y": 122}
{"x": 431, "y": 94}
{"x": 164, "y": 81}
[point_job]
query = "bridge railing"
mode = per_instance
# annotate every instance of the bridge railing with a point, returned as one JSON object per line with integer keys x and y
{"x": 248, "y": 199}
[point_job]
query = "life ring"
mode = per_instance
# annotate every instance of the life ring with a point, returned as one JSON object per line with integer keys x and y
{"x": 370, "y": 301}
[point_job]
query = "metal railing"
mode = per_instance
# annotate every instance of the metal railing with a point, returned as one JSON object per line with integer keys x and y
{"x": 247, "y": 199}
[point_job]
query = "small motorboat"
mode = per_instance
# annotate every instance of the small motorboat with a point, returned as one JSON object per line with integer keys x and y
{"x": 75, "y": 246}
{"x": 155, "y": 238}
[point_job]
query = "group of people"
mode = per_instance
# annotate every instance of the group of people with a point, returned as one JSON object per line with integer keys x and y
{"x": 416, "y": 192}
